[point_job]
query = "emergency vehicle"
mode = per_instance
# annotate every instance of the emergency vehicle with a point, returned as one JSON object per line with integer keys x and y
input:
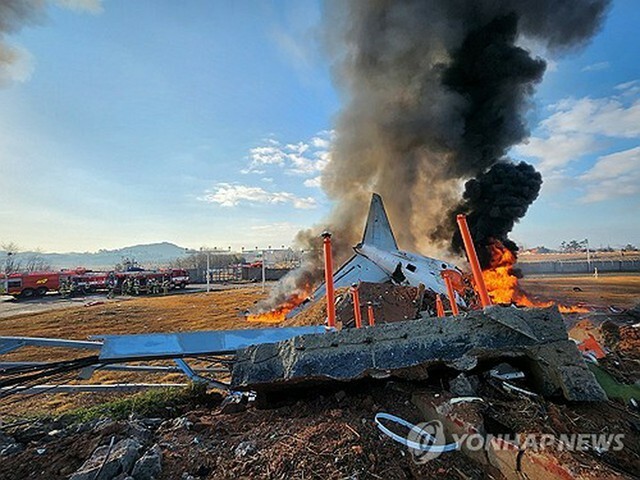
{"x": 37, "y": 284}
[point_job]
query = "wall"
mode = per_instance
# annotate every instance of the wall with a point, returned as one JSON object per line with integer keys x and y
{"x": 532, "y": 268}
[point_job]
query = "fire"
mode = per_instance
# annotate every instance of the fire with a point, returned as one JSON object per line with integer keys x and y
{"x": 502, "y": 284}
{"x": 279, "y": 313}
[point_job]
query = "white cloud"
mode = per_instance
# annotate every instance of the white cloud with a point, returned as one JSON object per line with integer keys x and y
{"x": 314, "y": 182}
{"x": 578, "y": 127}
{"x": 558, "y": 150}
{"x": 267, "y": 155}
{"x": 594, "y": 67}
{"x": 613, "y": 175}
{"x": 301, "y": 158}
{"x": 90, "y": 6}
{"x": 232, "y": 194}
{"x": 602, "y": 116}
{"x": 629, "y": 89}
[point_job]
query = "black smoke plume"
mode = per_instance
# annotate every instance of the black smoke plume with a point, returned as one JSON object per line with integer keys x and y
{"x": 435, "y": 93}
{"x": 493, "y": 203}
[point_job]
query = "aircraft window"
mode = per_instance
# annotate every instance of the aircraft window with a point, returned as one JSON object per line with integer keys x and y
{"x": 411, "y": 268}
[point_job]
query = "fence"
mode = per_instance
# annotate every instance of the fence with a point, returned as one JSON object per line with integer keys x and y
{"x": 236, "y": 273}
{"x": 559, "y": 266}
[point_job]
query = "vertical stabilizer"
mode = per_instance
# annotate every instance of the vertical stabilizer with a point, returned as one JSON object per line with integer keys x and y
{"x": 377, "y": 232}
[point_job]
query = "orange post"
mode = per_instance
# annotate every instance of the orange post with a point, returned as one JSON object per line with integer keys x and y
{"x": 451, "y": 294}
{"x": 328, "y": 280}
{"x": 357, "y": 314}
{"x": 473, "y": 260}
{"x": 439, "y": 306}
{"x": 372, "y": 319}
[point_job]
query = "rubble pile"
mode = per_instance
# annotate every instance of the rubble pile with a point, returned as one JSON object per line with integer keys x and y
{"x": 328, "y": 432}
{"x": 391, "y": 303}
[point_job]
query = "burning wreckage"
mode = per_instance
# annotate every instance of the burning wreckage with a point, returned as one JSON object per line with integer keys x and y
{"x": 384, "y": 320}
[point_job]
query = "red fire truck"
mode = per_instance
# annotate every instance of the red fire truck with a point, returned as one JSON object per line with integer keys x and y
{"x": 27, "y": 285}
{"x": 37, "y": 284}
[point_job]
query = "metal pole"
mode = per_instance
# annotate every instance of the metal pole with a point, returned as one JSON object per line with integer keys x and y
{"x": 473, "y": 260}
{"x": 328, "y": 280}
{"x": 452, "y": 296}
{"x": 208, "y": 272}
{"x": 439, "y": 306}
{"x": 588, "y": 254}
{"x": 357, "y": 314}
{"x": 372, "y": 318}
{"x": 264, "y": 271}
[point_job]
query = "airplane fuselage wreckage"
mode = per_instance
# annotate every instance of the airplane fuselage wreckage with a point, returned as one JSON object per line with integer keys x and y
{"x": 378, "y": 259}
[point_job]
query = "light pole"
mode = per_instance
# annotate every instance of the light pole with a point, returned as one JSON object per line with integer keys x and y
{"x": 586, "y": 241}
{"x": 208, "y": 272}
{"x": 208, "y": 252}
{"x": 264, "y": 271}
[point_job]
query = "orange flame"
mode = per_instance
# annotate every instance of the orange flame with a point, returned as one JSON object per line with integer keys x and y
{"x": 502, "y": 283}
{"x": 279, "y": 313}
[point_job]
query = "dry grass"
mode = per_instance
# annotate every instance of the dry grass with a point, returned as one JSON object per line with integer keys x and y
{"x": 608, "y": 289}
{"x": 220, "y": 310}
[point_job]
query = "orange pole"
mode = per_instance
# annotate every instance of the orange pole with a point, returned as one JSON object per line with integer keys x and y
{"x": 357, "y": 314}
{"x": 328, "y": 280}
{"x": 372, "y": 318}
{"x": 451, "y": 295}
{"x": 439, "y": 306}
{"x": 473, "y": 260}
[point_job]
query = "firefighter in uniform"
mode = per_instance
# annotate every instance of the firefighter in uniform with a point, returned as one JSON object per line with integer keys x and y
{"x": 126, "y": 286}
{"x": 111, "y": 284}
{"x": 65, "y": 291}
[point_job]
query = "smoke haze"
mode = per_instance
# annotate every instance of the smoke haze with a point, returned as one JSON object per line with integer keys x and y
{"x": 435, "y": 93}
{"x": 16, "y": 64}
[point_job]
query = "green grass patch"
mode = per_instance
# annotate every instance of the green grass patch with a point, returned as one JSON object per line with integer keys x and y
{"x": 161, "y": 402}
{"x": 612, "y": 387}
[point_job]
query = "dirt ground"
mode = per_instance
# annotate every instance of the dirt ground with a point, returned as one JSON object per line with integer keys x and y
{"x": 621, "y": 291}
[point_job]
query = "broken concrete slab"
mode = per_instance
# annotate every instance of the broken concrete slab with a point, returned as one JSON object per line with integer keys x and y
{"x": 149, "y": 466}
{"x": 106, "y": 463}
{"x": 407, "y": 349}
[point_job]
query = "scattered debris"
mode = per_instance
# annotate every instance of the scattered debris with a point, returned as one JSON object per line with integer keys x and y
{"x": 149, "y": 466}
{"x": 504, "y": 371}
{"x": 105, "y": 463}
{"x": 245, "y": 449}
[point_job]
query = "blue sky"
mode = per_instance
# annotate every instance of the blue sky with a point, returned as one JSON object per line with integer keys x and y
{"x": 210, "y": 123}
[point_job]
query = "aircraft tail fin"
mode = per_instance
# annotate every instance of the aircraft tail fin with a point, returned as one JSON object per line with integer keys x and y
{"x": 378, "y": 231}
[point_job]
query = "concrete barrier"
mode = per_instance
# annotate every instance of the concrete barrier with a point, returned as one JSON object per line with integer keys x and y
{"x": 569, "y": 267}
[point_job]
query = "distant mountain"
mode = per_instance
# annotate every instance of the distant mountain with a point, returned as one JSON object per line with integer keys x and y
{"x": 149, "y": 256}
